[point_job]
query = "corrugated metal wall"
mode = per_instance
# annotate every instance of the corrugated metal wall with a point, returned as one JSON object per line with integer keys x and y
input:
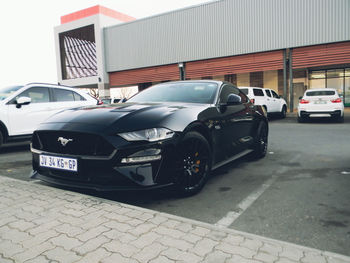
{"x": 225, "y": 28}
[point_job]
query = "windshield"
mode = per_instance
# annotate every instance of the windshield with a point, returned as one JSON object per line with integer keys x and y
{"x": 188, "y": 92}
{"x": 320, "y": 93}
{"x": 7, "y": 91}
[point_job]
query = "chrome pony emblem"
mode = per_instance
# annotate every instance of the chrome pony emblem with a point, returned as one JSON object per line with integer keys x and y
{"x": 64, "y": 141}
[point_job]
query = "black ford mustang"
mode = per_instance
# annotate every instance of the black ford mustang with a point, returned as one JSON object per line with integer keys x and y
{"x": 173, "y": 133}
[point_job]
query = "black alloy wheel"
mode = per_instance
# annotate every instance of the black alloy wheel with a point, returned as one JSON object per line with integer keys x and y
{"x": 261, "y": 141}
{"x": 194, "y": 164}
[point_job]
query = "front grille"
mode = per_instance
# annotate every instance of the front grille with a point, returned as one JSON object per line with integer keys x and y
{"x": 79, "y": 143}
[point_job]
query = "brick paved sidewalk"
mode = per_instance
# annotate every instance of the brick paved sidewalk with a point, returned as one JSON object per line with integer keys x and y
{"x": 43, "y": 224}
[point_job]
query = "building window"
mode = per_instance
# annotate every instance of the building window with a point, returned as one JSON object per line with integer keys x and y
{"x": 257, "y": 79}
{"x": 78, "y": 53}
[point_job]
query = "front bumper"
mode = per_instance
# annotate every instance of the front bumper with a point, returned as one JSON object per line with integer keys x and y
{"x": 109, "y": 173}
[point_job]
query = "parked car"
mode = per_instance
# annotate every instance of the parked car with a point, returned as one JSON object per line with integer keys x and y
{"x": 110, "y": 100}
{"x": 321, "y": 103}
{"x": 268, "y": 98}
{"x": 22, "y": 108}
{"x": 173, "y": 133}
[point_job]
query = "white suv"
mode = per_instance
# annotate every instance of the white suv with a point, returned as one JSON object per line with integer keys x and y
{"x": 267, "y": 98}
{"x": 23, "y": 108}
{"x": 321, "y": 103}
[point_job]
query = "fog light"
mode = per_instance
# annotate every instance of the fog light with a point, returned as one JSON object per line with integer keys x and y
{"x": 141, "y": 159}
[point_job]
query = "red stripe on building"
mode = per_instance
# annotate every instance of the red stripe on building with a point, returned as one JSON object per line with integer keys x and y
{"x": 94, "y": 11}
{"x": 321, "y": 55}
{"x": 143, "y": 75}
{"x": 237, "y": 64}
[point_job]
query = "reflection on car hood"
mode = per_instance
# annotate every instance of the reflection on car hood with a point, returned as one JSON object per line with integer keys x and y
{"x": 128, "y": 116}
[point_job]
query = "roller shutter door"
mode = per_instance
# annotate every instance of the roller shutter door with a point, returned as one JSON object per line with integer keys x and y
{"x": 321, "y": 55}
{"x": 237, "y": 64}
{"x": 143, "y": 75}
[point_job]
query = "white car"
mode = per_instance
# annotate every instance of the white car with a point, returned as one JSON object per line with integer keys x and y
{"x": 268, "y": 98}
{"x": 321, "y": 103}
{"x": 23, "y": 108}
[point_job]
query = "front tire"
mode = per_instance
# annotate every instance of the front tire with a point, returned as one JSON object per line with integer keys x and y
{"x": 194, "y": 164}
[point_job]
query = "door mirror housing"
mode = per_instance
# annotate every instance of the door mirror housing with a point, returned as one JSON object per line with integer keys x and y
{"x": 23, "y": 101}
{"x": 233, "y": 99}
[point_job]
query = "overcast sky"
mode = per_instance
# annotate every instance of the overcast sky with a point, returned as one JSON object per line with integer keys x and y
{"x": 27, "y": 51}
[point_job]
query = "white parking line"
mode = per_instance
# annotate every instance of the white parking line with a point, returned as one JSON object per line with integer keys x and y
{"x": 250, "y": 199}
{"x": 244, "y": 204}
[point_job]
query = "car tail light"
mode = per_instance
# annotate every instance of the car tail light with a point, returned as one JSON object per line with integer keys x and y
{"x": 302, "y": 101}
{"x": 336, "y": 100}
{"x": 99, "y": 102}
{"x": 252, "y": 101}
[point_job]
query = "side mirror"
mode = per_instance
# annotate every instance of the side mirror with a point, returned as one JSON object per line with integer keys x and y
{"x": 233, "y": 99}
{"x": 123, "y": 100}
{"x": 23, "y": 101}
{"x": 300, "y": 97}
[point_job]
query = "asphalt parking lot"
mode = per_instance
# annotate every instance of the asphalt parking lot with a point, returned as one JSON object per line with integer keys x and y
{"x": 299, "y": 193}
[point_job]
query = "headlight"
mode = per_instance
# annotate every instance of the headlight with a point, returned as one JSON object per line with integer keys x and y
{"x": 151, "y": 135}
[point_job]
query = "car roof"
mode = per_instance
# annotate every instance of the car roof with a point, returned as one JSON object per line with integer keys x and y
{"x": 321, "y": 89}
{"x": 219, "y": 82}
{"x": 47, "y": 84}
{"x": 243, "y": 87}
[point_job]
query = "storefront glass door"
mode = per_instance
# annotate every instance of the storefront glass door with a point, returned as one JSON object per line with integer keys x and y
{"x": 347, "y": 87}
{"x": 338, "y": 79}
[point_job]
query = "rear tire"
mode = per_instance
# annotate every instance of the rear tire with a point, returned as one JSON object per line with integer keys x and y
{"x": 283, "y": 112}
{"x": 301, "y": 119}
{"x": 194, "y": 164}
{"x": 261, "y": 141}
{"x": 1, "y": 139}
{"x": 340, "y": 119}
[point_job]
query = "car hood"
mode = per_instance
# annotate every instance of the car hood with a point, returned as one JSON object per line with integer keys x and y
{"x": 130, "y": 116}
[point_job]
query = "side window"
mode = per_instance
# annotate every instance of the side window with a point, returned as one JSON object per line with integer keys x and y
{"x": 37, "y": 94}
{"x": 275, "y": 94}
{"x": 63, "y": 95}
{"x": 244, "y": 97}
{"x": 245, "y": 91}
{"x": 78, "y": 97}
{"x": 258, "y": 92}
{"x": 268, "y": 93}
{"x": 225, "y": 91}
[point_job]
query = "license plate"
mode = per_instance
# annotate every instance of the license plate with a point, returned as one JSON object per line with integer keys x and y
{"x": 320, "y": 102}
{"x": 68, "y": 164}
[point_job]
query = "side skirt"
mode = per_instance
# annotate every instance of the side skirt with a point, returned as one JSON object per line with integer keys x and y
{"x": 237, "y": 156}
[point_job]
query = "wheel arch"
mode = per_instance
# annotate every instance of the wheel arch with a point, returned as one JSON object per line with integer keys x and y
{"x": 284, "y": 106}
{"x": 201, "y": 129}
